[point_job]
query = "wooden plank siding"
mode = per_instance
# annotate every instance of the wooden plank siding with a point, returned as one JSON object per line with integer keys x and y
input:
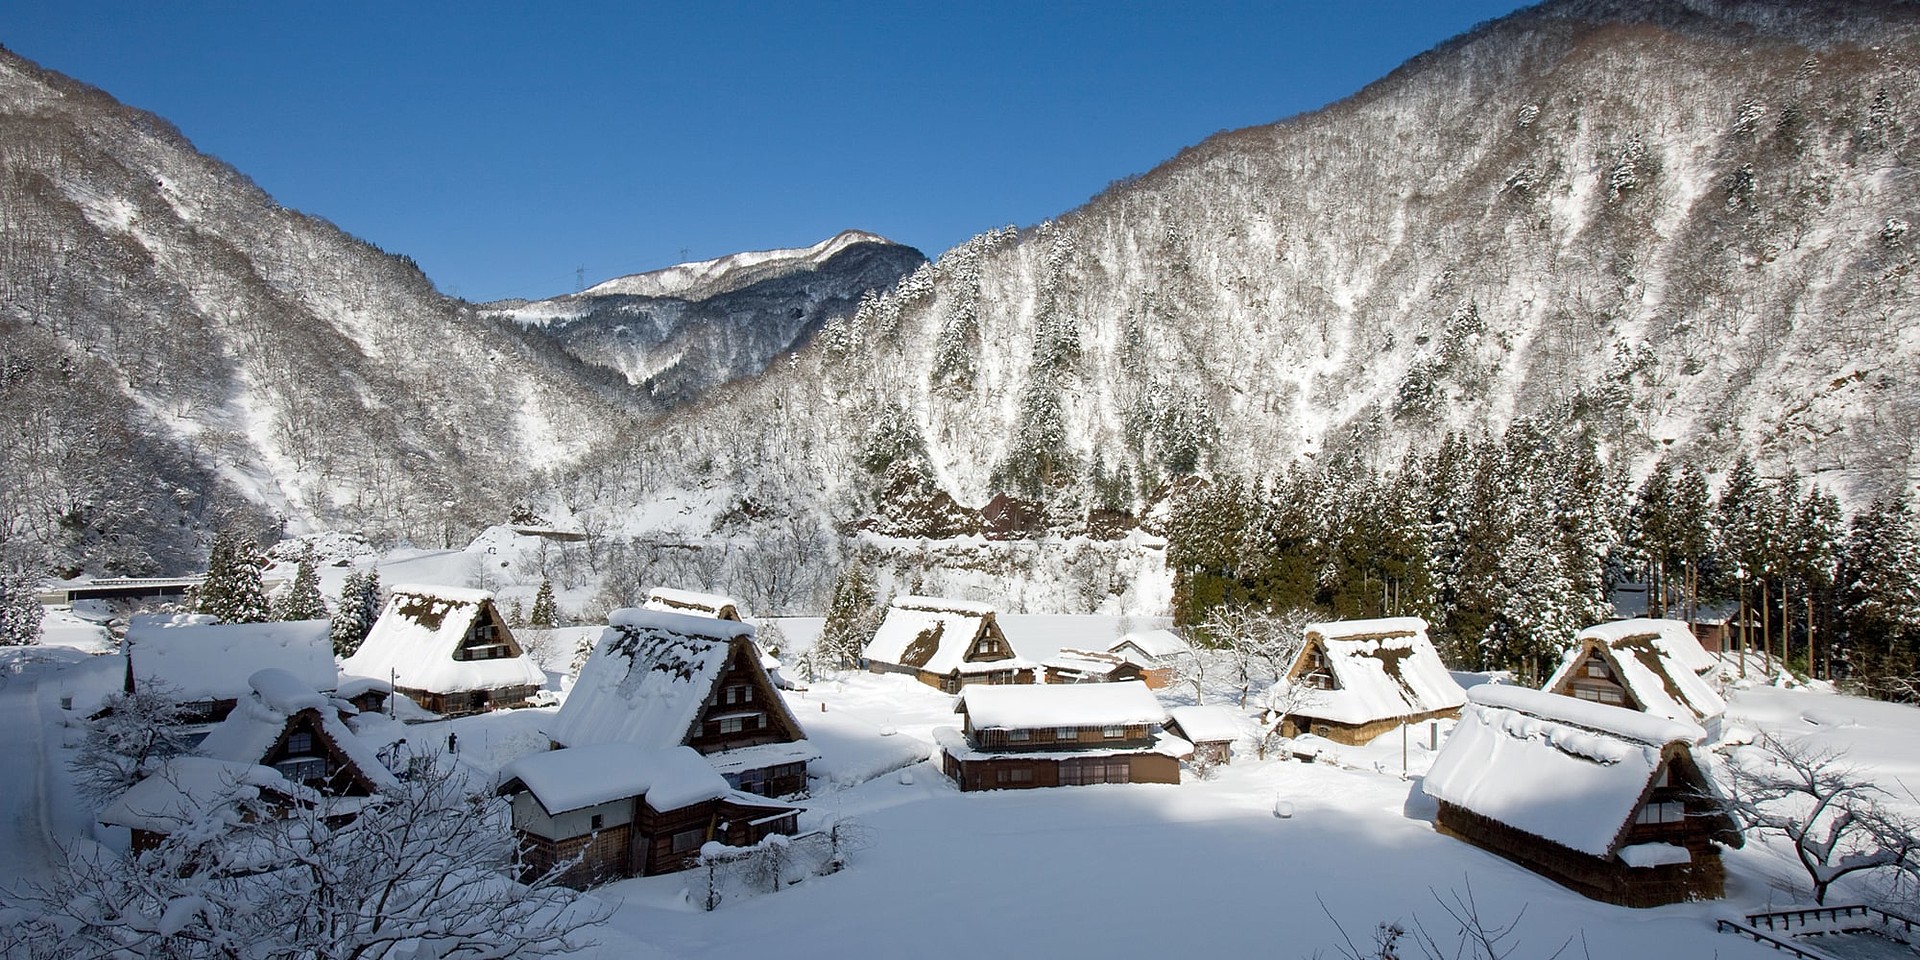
{"x": 1019, "y": 773}
{"x": 1054, "y": 738}
{"x": 1605, "y": 879}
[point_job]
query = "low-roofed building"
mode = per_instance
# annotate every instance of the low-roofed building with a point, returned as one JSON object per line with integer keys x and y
{"x": 192, "y": 791}
{"x": 624, "y": 810}
{"x": 448, "y": 650}
{"x": 1212, "y": 731}
{"x": 1611, "y": 803}
{"x": 205, "y": 664}
{"x": 1013, "y": 737}
{"x": 1158, "y": 653}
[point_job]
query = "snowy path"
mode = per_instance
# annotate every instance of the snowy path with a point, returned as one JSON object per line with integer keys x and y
{"x": 23, "y": 774}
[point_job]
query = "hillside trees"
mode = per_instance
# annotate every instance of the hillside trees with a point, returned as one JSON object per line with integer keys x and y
{"x": 233, "y": 590}
{"x": 302, "y": 600}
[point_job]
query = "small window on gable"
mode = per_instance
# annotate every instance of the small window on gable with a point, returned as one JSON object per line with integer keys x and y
{"x": 299, "y": 743}
{"x": 1597, "y": 668}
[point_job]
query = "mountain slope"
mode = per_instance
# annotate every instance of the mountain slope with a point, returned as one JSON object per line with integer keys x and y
{"x": 183, "y": 351}
{"x": 678, "y": 332}
{"x": 1681, "y": 226}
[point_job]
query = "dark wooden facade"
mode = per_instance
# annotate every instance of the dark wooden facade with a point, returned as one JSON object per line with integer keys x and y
{"x": 306, "y": 754}
{"x": 1013, "y": 772}
{"x": 1675, "y": 808}
{"x": 744, "y": 710}
{"x": 651, "y": 841}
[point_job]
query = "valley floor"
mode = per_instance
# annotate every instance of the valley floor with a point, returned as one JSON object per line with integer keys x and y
{"x": 1205, "y": 867}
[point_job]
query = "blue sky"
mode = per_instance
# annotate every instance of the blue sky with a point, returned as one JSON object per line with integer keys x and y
{"x": 506, "y": 145}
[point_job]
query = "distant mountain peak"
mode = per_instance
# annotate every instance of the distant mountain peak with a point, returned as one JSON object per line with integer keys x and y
{"x": 702, "y": 279}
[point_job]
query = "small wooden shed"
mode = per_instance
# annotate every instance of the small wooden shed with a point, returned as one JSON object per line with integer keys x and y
{"x": 1212, "y": 731}
{"x": 628, "y": 811}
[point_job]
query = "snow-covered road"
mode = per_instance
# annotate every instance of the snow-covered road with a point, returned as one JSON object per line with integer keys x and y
{"x": 24, "y": 836}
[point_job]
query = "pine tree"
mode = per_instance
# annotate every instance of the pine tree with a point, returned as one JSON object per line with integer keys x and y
{"x": 852, "y": 617}
{"x": 233, "y": 591}
{"x": 302, "y": 600}
{"x": 544, "y": 615}
{"x": 1880, "y": 594}
{"x": 359, "y": 607}
{"x": 20, "y": 611}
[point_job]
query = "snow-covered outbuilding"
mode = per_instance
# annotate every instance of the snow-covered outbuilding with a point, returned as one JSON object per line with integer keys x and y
{"x": 200, "y": 792}
{"x": 447, "y": 649}
{"x": 1158, "y": 653}
{"x": 1358, "y": 679}
{"x": 287, "y": 725}
{"x": 1653, "y": 666}
{"x": 946, "y": 644}
{"x": 1212, "y": 731}
{"x": 1050, "y": 735}
{"x": 205, "y": 664}
{"x": 1612, "y": 803}
{"x": 694, "y": 604}
{"x": 1090, "y": 666}
{"x": 658, "y": 679}
{"x": 626, "y": 811}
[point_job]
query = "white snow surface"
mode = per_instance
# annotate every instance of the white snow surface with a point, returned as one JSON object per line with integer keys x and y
{"x": 1654, "y": 854}
{"x": 1366, "y": 690}
{"x": 1520, "y": 758}
{"x": 1032, "y": 706}
{"x": 647, "y": 679}
{"x": 414, "y": 642}
{"x": 185, "y": 789}
{"x": 1207, "y": 724}
{"x": 197, "y": 660}
{"x": 578, "y": 777}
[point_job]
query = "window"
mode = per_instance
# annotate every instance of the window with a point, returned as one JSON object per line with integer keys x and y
{"x": 1015, "y": 775}
{"x": 1066, "y": 733}
{"x": 1597, "y": 669}
{"x": 1113, "y": 733}
{"x": 1599, "y": 694}
{"x": 1662, "y": 812}
{"x": 739, "y": 693}
{"x": 303, "y": 769}
{"x": 599, "y": 820}
{"x": 739, "y": 723}
{"x": 299, "y": 744}
{"x": 1018, "y": 736}
{"x": 989, "y": 645}
{"x": 687, "y": 841}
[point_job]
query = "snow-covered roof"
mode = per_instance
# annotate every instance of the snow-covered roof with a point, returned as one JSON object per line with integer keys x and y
{"x": 1206, "y": 724}
{"x": 417, "y": 636}
{"x": 1085, "y": 661}
{"x": 1658, "y": 661}
{"x": 1558, "y": 768}
{"x": 257, "y": 721}
{"x": 688, "y": 602}
{"x": 1033, "y": 706}
{"x": 199, "y": 660}
{"x": 649, "y": 675}
{"x": 580, "y": 777}
{"x": 185, "y": 790}
{"x": 1382, "y": 669}
{"x": 1157, "y": 644}
{"x": 935, "y": 634}
{"x": 762, "y": 755}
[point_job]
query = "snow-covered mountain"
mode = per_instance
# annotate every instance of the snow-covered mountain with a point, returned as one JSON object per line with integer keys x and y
{"x": 678, "y": 332}
{"x": 1682, "y": 225}
{"x": 181, "y": 351}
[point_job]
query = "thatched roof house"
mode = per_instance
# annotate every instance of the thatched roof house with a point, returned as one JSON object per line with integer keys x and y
{"x": 658, "y": 680}
{"x": 447, "y": 649}
{"x": 945, "y": 644}
{"x": 1653, "y": 666}
{"x": 304, "y": 734}
{"x": 1366, "y": 677}
{"x": 1609, "y": 802}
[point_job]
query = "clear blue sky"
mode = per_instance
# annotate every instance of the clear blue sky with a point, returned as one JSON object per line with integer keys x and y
{"x": 504, "y": 145}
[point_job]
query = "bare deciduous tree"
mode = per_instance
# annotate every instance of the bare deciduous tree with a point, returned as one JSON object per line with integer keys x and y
{"x": 1832, "y": 813}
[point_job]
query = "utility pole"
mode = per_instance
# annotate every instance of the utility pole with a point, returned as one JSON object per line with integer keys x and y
{"x": 579, "y": 279}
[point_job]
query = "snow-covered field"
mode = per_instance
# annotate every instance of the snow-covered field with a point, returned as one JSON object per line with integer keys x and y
{"x": 1139, "y": 870}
